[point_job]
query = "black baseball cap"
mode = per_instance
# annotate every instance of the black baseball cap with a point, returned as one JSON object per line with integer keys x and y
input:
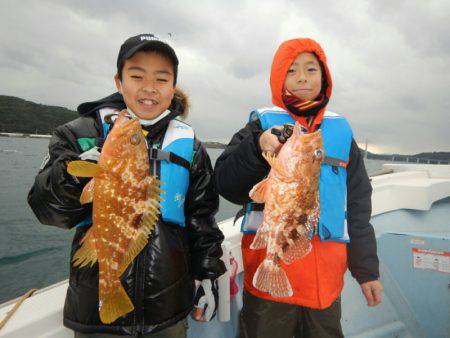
{"x": 148, "y": 42}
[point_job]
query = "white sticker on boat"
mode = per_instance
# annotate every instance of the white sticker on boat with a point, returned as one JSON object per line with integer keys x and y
{"x": 431, "y": 260}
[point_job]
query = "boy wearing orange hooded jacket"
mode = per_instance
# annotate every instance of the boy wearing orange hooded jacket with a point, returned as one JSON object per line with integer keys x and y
{"x": 301, "y": 88}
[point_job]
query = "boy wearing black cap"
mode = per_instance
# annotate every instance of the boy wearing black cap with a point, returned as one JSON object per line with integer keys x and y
{"x": 185, "y": 247}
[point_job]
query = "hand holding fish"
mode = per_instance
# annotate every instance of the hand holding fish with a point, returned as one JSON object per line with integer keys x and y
{"x": 269, "y": 142}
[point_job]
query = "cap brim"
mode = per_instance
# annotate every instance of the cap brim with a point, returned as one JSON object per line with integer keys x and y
{"x": 156, "y": 45}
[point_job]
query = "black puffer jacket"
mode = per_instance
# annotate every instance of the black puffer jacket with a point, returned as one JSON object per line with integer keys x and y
{"x": 241, "y": 166}
{"x": 160, "y": 281}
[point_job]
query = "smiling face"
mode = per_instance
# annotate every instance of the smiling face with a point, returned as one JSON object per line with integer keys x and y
{"x": 147, "y": 84}
{"x": 304, "y": 77}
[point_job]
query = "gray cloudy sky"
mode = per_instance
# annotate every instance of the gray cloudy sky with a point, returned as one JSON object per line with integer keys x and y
{"x": 389, "y": 59}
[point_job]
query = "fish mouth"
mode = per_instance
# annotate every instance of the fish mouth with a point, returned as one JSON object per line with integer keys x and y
{"x": 125, "y": 121}
{"x": 121, "y": 119}
{"x": 124, "y": 126}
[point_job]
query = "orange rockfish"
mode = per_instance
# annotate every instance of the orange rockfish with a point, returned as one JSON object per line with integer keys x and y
{"x": 291, "y": 211}
{"x": 125, "y": 205}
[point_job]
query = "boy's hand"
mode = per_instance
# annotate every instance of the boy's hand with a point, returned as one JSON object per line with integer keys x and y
{"x": 372, "y": 291}
{"x": 269, "y": 142}
{"x": 206, "y": 299}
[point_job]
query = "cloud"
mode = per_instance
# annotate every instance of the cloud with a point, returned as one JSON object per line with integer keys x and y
{"x": 389, "y": 60}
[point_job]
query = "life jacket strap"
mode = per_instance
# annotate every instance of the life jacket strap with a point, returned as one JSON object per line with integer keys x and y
{"x": 245, "y": 208}
{"x": 161, "y": 155}
{"x": 335, "y": 162}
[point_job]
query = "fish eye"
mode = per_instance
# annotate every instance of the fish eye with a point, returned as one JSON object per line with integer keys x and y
{"x": 135, "y": 139}
{"x": 318, "y": 153}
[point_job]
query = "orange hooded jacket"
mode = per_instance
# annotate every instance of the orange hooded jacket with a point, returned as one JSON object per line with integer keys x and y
{"x": 318, "y": 278}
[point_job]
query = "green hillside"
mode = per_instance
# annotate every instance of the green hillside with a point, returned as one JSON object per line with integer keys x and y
{"x": 21, "y": 116}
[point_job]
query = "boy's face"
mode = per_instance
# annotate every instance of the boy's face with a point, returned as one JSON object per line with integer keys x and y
{"x": 304, "y": 77}
{"x": 147, "y": 84}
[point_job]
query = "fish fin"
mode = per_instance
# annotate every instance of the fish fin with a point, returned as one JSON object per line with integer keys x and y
{"x": 114, "y": 305}
{"x": 83, "y": 168}
{"x": 137, "y": 243}
{"x": 258, "y": 192}
{"x": 155, "y": 191}
{"x": 88, "y": 193}
{"x": 260, "y": 240}
{"x": 296, "y": 250}
{"x": 270, "y": 277}
{"x": 152, "y": 204}
{"x": 275, "y": 164}
{"x": 87, "y": 253}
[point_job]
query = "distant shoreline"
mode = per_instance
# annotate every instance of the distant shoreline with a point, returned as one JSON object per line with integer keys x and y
{"x": 431, "y": 158}
{"x": 208, "y": 144}
{"x": 25, "y": 135}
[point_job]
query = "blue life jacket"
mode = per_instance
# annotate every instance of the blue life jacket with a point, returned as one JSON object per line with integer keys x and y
{"x": 337, "y": 138}
{"x": 176, "y": 155}
{"x": 179, "y": 140}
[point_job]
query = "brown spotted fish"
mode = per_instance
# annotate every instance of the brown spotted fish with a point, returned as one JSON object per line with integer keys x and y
{"x": 291, "y": 211}
{"x": 125, "y": 203}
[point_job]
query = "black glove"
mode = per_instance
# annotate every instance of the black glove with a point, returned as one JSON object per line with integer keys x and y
{"x": 283, "y": 134}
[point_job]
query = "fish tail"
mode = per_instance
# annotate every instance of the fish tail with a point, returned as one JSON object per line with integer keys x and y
{"x": 298, "y": 249}
{"x": 260, "y": 240}
{"x": 114, "y": 304}
{"x": 270, "y": 277}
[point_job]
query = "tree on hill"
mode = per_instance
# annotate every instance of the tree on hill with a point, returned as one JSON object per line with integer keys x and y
{"x": 21, "y": 116}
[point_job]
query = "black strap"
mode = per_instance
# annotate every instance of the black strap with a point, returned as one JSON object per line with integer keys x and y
{"x": 253, "y": 207}
{"x": 257, "y": 206}
{"x": 239, "y": 214}
{"x": 334, "y": 162}
{"x": 161, "y": 155}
